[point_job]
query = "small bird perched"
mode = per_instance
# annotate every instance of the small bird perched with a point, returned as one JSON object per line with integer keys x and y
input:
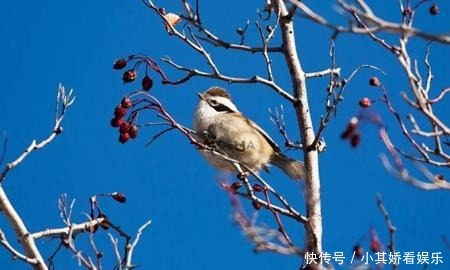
{"x": 218, "y": 122}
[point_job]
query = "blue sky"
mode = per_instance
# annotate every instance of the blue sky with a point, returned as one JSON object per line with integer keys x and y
{"x": 76, "y": 42}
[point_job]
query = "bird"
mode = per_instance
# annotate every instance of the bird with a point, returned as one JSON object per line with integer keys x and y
{"x": 218, "y": 123}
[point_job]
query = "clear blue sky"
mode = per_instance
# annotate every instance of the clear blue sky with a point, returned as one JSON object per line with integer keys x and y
{"x": 76, "y": 42}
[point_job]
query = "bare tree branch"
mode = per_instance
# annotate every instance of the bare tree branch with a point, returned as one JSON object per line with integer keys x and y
{"x": 130, "y": 247}
{"x": 390, "y": 226}
{"x": 16, "y": 254}
{"x": 22, "y": 233}
{"x": 72, "y": 229}
{"x": 63, "y": 101}
{"x": 301, "y": 105}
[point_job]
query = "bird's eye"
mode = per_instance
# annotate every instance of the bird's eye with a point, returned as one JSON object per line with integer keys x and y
{"x": 213, "y": 102}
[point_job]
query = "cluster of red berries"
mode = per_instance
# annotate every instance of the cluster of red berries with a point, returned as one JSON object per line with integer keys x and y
{"x": 130, "y": 75}
{"x": 256, "y": 187}
{"x": 127, "y": 129}
{"x": 351, "y": 132}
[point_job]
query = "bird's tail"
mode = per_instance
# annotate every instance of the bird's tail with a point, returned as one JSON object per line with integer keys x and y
{"x": 293, "y": 168}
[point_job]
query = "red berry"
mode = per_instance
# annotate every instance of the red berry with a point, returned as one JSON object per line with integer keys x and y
{"x": 120, "y": 63}
{"x": 374, "y": 81}
{"x": 365, "y": 102}
{"x": 358, "y": 251}
{"x": 347, "y": 132}
{"x": 258, "y": 188}
{"x": 120, "y": 111}
{"x": 147, "y": 83}
{"x": 120, "y": 197}
{"x": 351, "y": 128}
{"x": 375, "y": 245}
{"x": 133, "y": 131}
{"x": 116, "y": 121}
{"x": 434, "y": 9}
{"x": 126, "y": 103}
{"x": 256, "y": 205}
{"x": 355, "y": 140}
{"x": 236, "y": 185}
{"x": 407, "y": 11}
{"x": 129, "y": 75}
{"x": 124, "y": 137}
{"x": 124, "y": 127}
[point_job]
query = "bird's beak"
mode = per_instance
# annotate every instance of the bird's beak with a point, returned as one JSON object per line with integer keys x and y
{"x": 201, "y": 96}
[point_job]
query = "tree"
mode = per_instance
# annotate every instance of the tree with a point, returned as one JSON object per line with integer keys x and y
{"x": 275, "y": 38}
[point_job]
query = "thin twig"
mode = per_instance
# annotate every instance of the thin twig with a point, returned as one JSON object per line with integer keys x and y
{"x": 390, "y": 226}
{"x": 115, "y": 243}
{"x": 130, "y": 247}
{"x": 64, "y": 101}
{"x": 196, "y": 46}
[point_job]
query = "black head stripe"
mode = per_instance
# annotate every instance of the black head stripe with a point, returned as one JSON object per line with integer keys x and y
{"x": 221, "y": 108}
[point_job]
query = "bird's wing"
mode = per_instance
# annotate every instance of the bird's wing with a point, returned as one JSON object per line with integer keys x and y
{"x": 275, "y": 146}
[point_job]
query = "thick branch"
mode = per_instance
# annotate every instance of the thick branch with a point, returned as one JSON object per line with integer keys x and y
{"x": 31, "y": 250}
{"x": 16, "y": 254}
{"x": 312, "y": 181}
{"x": 73, "y": 228}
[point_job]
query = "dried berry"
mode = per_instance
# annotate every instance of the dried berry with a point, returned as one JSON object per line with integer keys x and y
{"x": 351, "y": 128}
{"x": 434, "y": 9}
{"x": 120, "y": 111}
{"x": 256, "y": 205}
{"x": 116, "y": 121}
{"x": 126, "y": 103}
{"x": 147, "y": 83}
{"x": 133, "y": 131}
{"x": 258, "y": 188}
{"x": 358, "y": 251}
{"x": 236, "y": 185}
{"x": 124, "y": 137}
{"x": 374, "y": 81}
{"x": 365, "y": 102}
{"x": 120, "y": 197}
{"x": 355, "y": 140}
{"x": 407, "y": 11}
{"x": 375, "y": 245}
{"x": 129, "y": 75}
{"x": 120, "y": 63}
{"x": 346, "y": 134}
{"x": 124, "y": 127}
